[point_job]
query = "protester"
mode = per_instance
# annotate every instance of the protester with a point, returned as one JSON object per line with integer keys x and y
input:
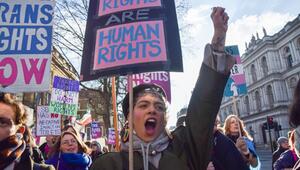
{"x": 46, "y": 147}
{"x": 232, "y": 128}
{"x": 282, "y": 145}
{"x": 287, "y": 159}
{"x": 294, "y": 120}
{"x": 225, "y": 155}
{"x": 70, "y": 153}
{"x": 188, "y": 147}
{"x": 13, "y": 153}
{"x": 96, "y": 150}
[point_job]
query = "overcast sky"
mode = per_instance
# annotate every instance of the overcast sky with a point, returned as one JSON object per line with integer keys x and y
{"x": 246, "y": 18}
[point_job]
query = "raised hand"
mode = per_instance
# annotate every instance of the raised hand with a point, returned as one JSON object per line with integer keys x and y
{"x": 220, "y": 20}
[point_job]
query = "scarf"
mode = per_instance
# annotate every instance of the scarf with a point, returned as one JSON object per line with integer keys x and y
{"x": 150, "y": 151}
{"x": 232, "y": 137}
{"x": 78, "y": 159}
{"x": 11, "y": 149}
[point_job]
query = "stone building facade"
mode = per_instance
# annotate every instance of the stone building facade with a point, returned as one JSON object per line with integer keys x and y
{"x": 272, "y": 70}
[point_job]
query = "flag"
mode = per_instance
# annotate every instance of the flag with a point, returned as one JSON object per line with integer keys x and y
{"x": 86, "y": 119}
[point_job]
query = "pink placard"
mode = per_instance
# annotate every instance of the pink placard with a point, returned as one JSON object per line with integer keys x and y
{"x": 134, "y": 43}
{"x": 112, "y": 6}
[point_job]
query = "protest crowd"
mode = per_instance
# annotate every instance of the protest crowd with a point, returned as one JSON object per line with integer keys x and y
{"x": 202, "y": 142}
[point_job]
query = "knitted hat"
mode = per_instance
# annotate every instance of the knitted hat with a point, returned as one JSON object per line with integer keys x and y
{"x": 138, "y": 89}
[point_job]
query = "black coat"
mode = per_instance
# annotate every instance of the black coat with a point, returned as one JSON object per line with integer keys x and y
{"x": 225, "y": 155}
{"x": 190, "y": 147}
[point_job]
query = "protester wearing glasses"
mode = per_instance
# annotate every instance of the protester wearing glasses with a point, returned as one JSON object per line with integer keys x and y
{"x": 70, "y": 153}
{"x": 12, "y": 143}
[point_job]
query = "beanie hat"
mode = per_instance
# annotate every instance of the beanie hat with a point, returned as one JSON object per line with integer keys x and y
{"x": 137, "y": 90}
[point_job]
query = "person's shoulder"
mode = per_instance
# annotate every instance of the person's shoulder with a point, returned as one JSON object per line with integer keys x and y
{"x": 287, "y": 153}
{"x": 37, "y": 166}
{"x": 107, "y": 160}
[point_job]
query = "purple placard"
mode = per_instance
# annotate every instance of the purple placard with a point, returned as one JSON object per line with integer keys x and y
{"x": 65, "y": 84}
{"x": 111, "y": 136}
{"x": 112, "y": 6}
{"x": 133, "y": 43}
{"x": 160, "y": 78}
{"x": 96, "y": 130}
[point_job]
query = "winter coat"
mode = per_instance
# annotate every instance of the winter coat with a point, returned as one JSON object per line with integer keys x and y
{"x": 70, "y": 161}
{"x": 297, "y": 165}
{"x": 286, "y": 160}
{"x": 277, "y": 154}
{"x": 190, "y": 146}
{"x": 225, "y": 154}
{"x": 27, "y": 163}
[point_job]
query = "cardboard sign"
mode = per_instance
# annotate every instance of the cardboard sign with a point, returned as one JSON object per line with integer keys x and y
{"x": 236, "y": 84}
{"x": 64, "y": 96}
{"x": 130, "y": 36}
{"x": 160, "y": 78}
{"x": 111, "y": 136}
{"x": 96, "y": 130}
{"x": 47, "y": 123}
{"x": 25, "y": 45}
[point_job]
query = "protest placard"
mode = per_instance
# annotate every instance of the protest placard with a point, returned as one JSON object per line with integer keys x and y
{"x": 111, "y": 136}
{"x": 130, "y": 36}
{"x": 160, "y": 78}
{"x": 96, "y": 130}
{"x": 47, "y": 123}
{"x": 64, "y": 96}
{"x": 25, "y": 45}
{"x": 236, "y": 84}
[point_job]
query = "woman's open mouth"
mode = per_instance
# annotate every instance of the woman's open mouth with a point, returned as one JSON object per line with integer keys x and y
{"x": 150, "y": 126}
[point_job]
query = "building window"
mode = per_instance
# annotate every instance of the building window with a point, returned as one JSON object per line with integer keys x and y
{"x": 270, "y": 95}
{"x": 289, "y": 59}
{"x": 238, "y": 108}
{"x": 293, "y": 84}
{"x": 230, "y": 109}
{"x": 264, "y": 66}
{"x": 298, "y": 44}
{"x": 253, "y": 73}
{"x": 258, "y": 101}
{"x": 247, "y": 105}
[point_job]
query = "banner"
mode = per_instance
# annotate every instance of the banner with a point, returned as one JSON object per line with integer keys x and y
{"x": 236, "y": 84}
{"x": 111, "y": 136}
{"x": 47, "y": 123}
{"x": 96, "y": 130}
{"x": 160, "y": 78}
{"x": 25, "y": 45}
{"x": 130, "y": 36}
{"x": 64, "y": 96}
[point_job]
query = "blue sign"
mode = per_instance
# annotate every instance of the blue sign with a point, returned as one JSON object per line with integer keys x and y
{"x": 236, "y": 84}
